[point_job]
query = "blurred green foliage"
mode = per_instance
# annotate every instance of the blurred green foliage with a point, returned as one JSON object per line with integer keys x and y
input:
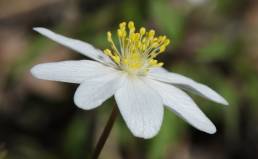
{"x": 209, "y": 44}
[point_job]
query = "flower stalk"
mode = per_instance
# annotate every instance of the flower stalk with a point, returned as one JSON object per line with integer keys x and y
{"x": 105, "y": 133}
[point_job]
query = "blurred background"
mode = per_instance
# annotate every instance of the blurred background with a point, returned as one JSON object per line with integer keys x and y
{"x": 213, "y": 42}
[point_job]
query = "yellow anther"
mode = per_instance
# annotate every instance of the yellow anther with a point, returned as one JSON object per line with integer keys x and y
{"x": 122, "y": 25}
{"x": 131, "y": 25}
{"x": 167, "y": 42}
{"x": 142, "y": 31}
{"x": 155, "y": 44}
{"x": 162, "y": 48}
{"x": 153, "y": 62}
{"x": 108, "y": 52}
{"x": 109, "y": 36}
{"x": 163, "y": 38}
{"x": 160, "y": 64}
{"x": 136, "y": 48}
{"x": 154, "y": 39}
{"x": 116, "y": 59}
{"x": 151, "y": 33}
{"x": 160, "y": 38}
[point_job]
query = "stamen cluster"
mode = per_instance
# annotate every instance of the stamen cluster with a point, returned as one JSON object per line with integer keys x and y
{"x": 138, "y": 50}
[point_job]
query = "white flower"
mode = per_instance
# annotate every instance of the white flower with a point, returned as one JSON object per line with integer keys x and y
{"x": 140, "y": 85}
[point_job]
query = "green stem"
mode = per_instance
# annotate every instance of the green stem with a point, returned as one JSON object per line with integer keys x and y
{"x": 105, "y": 133}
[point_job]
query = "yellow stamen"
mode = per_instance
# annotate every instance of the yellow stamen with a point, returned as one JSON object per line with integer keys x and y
{"x": 138, "y": 50}
{"x": 142, "y": 31}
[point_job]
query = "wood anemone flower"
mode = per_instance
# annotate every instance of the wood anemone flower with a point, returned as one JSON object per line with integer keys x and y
{"x": 132, "y": 74}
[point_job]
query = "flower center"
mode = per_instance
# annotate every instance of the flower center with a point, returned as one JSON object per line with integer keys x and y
{"x": 138, "y": 50}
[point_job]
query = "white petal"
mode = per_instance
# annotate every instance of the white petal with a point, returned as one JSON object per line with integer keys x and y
{"x": 158, "y": 70}
{"x": 141, "y": 107}
{"x": 92, "y": 93}
{"x": 179, "y": 102}
{"x": 70, "y": 71}
{"x": 77, "y": 45}
{"x": 188, "y": 84}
